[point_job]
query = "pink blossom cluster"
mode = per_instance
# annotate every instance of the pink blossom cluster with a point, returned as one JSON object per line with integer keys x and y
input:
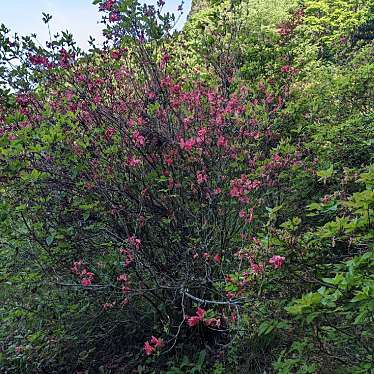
{"x": 107, "y": 306}
{"x": 107, "y": 5}
{"x": 133, "y": 162}
{"x": 241, "y": 187}
{"x": 286, "y": 28}
{"x": 197, "y": 318}
{"x": 201, "y": 177}
{"x": 134, "y": 241}
{"x": 80, "y": 269}
{"x": 247, "y": 216}
{"x": 129, "y": 257}
{"x": 193, "y": 321}
{"x": 109, "y": 132}
{"x": 124, "y": 280}
{"x": 138, "y": 139}
{"x": 151, "y": 345}
{"x": 257, "y": 268}
{"x": 39, "y": 60}
{"x": 114, "y": 17}
{"x": 65, "y": 58}
{"x": 188, "y": 144}
{"x": 287, "y": 69}
{"x": 277, "y": 261}
{"x": 207, "y": 257}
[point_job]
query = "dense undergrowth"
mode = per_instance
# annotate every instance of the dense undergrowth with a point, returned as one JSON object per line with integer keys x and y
{"x": 193, "y": 202}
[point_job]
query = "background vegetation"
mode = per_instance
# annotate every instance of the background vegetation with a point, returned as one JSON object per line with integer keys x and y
{"x": 192, "y": 202}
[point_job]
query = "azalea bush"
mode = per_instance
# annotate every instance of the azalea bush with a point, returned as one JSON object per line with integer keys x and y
{"x": 137, "y": 185}
{"x": 153, "y": 216}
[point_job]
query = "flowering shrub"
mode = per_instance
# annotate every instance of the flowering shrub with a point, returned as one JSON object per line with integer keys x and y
{"x": 145, "y": 176}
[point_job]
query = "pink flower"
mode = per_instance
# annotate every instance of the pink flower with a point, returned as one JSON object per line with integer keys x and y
{"x": 116, "y": 55}
{"x": 133, "y": 162}
{"x": 18, "y": 349}
{"x": 200, "y": 312}
{"x": 262, "y": 87}
{"x": 165, "y": 59}
{"x": 39, "y": 60}
{"x": 151, "y": 95}
{"x": 64, "y": 58}
{"x": 168, "y": 159}
{"x": 114, "y": 17}
{"x": 86, "y": 282}
{"x": 123, "y": 278}
{"x": 187, "y": 144}
{"x": 201, "y": 177}
{"x": 256, "y": 241}
{"x": 129, "y": 257}
{"x": 87, "y": 274}
{"x": 126, "y": 289}
{"x": 286, "y": 69}
{"x": 214, "y": 322}
{"x": 97, "y": 99}
{"x": 108, "y": 5}
{"x": 23, "y": 100}
{"x": 148, "y": 349}
{"x": 277, "y": 261}
{"x": 138, "y": 138}
{"x": 150, "y": 346}
{"x": 125, "y": 301}
{"x": 107, "y": 306}
{"x": 217, "y": 191}
{"x": 193, "y": 321}
{"x": 257, "y": 268}
{"x": 217, "y": 259}
{"x": 134, "y": 241}
{"x": 156, "y": 342}
{"x": 240, "y": 188}
{"x": 222, "y": 142}
{"x": 109, "y": 132}
{"x": 235, "y": 191}
{"x": 128, "y": 262}
{"x": 230, "y": 295}
{"x": 202, "y": 132}
{"x": 269, "y": 98}
{"x": 76, "y": 268}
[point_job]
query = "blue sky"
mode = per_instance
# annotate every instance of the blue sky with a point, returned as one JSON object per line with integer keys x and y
{"x": 78, "y": 16}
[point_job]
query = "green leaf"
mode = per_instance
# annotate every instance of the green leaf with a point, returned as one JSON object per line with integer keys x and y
{"x": 49, "y": 239}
